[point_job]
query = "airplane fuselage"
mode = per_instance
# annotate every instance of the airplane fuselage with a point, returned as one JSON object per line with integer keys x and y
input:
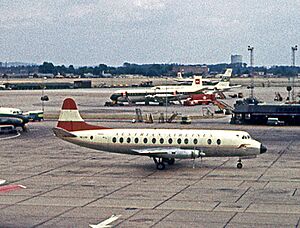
{"x": 154, "y": 94}
{"x": 177, "y": 143}
{"x": 13, "y": 119}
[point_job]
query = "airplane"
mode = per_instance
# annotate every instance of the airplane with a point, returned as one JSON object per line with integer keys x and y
{"x": 13, "y": 116}
{"x": 226, "y": 75}
{"x": 212, "y": 86}
{"x": 8, "y": 188}
{"x": 187, "y": 81}
{"x": 160, "y": 94}
{"x": 106, "y": 223}
{"x": 162, "y": 145}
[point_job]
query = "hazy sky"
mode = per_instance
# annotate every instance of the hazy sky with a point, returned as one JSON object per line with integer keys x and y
{"x": 90, "y": 32}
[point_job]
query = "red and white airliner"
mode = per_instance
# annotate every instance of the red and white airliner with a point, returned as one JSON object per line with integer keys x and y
{"x": 163, "y": 145}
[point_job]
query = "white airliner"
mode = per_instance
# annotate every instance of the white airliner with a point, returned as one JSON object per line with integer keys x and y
{"x": 212, "y": 86}
{"x": 159, "y": 94}
{"x": 188, "y": 81}
{"x": 106, "y": 223}
{"x": 163, "y": 145}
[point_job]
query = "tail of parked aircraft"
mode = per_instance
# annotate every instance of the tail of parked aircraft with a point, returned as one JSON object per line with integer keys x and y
{"x": 228, "y": 73}
{"x": 197, "y": 81}
{"x": 70, "y": 119}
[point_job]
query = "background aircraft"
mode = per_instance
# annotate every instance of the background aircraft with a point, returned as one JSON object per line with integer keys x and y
{"x": 212, "y": 86}
{"x": 163, "y": 145}
{"x": 13, "y": 116}
{"x": 160, "y": 94}
{"x": 187, "y": 81}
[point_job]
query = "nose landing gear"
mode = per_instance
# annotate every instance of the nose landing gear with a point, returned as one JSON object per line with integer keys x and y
{"x": 239, "y": 164}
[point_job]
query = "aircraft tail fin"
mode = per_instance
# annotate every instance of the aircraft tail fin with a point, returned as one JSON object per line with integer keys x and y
{"x": 197, "y": 81}
{"x": 228, "y": 73}
{"x": 70, "y": 118}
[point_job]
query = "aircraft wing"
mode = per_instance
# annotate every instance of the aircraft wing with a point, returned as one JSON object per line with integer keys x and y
{"x": 154, "y": 151}
{"x": 168, "y": 97}
{"x": 235, "y": 86}
{"x": 166, "y": 150}
{"x": 106, "y": 223}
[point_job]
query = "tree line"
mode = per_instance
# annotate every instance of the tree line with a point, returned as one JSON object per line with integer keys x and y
{"x": 145, "y": 69}
{"x": 162, "y": 69}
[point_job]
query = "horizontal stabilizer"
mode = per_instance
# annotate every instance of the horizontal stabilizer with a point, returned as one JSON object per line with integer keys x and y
{"x": 61, "y": 133}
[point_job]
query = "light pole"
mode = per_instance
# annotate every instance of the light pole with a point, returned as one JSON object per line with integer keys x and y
{"x": 294, "y": 49}
{"x": 44, "y": 98}
{"x": 251, "y": 49}
{"x": 166, "y": 100}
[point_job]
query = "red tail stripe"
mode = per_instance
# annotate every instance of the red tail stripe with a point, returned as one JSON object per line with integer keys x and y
{"x": 78, "y": 126}
{"x": 69, "y": 104}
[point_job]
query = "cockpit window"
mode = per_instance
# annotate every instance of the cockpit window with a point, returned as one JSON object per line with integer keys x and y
{"x": 246, "y": 137}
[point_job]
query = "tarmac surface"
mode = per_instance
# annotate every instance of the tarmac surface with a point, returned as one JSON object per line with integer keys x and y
{"x": 71, "y": 186}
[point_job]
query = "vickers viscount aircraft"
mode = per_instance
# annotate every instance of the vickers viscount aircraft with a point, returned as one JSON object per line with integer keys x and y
{"x": 160, "y": 94}
{"x": 163, "y": 145}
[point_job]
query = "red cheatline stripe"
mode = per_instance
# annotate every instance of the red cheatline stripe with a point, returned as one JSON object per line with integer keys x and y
{"x": 78, "y": 126}
{"x": 69, "y": 104}
{"x": 8, "y": 188}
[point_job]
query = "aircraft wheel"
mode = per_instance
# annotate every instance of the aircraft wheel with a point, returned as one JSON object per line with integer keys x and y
{"x": 160, "y": 166}
{"x": 239, "y": 165}
{"x": 171, "y": 161}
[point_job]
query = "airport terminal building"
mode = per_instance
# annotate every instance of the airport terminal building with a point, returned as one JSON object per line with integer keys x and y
{"x": 250, "y": 111}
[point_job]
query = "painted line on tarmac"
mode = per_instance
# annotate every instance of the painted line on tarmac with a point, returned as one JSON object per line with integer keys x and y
{"x": 11, "y": 137}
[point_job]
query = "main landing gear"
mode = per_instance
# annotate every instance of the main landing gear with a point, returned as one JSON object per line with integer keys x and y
{"x": 239, "y": 164}
{"x": 160, "y": 163}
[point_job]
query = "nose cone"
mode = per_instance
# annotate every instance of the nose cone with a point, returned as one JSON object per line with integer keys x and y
{"x": 263, "y": 149}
